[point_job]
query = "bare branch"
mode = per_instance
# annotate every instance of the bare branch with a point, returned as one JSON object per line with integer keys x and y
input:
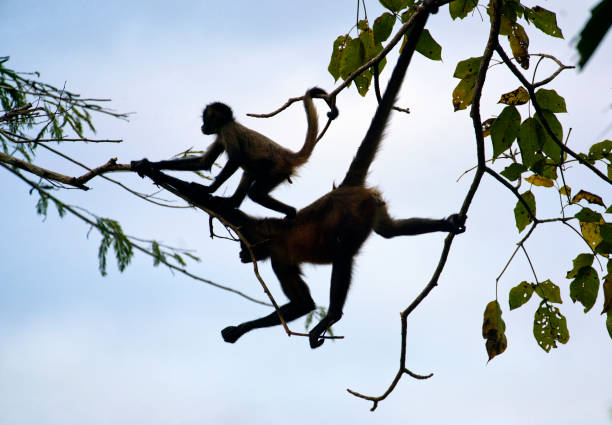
{"x": 477, "y": 123}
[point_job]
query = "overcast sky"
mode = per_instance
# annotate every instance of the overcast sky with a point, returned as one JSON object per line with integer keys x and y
{"x": 144, "y": 347}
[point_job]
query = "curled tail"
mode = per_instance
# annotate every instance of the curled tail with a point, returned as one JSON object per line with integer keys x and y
{"x": 358, "y": 169}
{"x": 313, "y": 125}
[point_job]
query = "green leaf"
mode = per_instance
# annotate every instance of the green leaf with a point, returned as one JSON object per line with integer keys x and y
{"x": 179, "y": 259}
{"x": 609, "y": 323}
{"x": 505, "y": 129}
{"x": 513, "y": 171}
{"x": 587, "y": 215}
{"x": 549, "y": 146}
{"x": 395, "y": 5}
{"x": 463, "y": 94}
{"x": 594, "y": 31}
{"x": 521, "y": 214}
{"x": 43, "y": 204}
{"x": 582, "y": 260}
{"x": 544, "y": 167}
{"x": 601, "y": 150}
{"x": 383, "y": 26}
{"x": 605, "y": 246}
{"x": 369, "y": 45}
{"x": 520, "y": 294}
{"x": 467, "y": 67}
{"x": 428, "y": 47}
{"x": 158, "y": 256}
{"x": 550, "y": 100}
{"x": 363, "y": 25}
{"x": 544, "y": 20}
{"x": 607, "y": 290}
{"x": 461, "y": 8}
{"x": 352, "y": 57}
{"x": 548, "y": 291}
{"x": 528, "y": 141}
{"x": 549, "y": 327}
{"x": 584, "y": 287}
{"x": 336, "y": 57}
{"x": 493, "y": 328}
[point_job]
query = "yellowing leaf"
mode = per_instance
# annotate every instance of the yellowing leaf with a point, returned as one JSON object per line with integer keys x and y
{"x": 591, "y": 233}
{"x": 566, "y": 191}
{"x": 486, "y": 127}
{"x": 493, "y": 328}
{"x": 589, "y": 197}
{"x": 540, "y": 181}
{"x": 519, "y": 96}
{"x": 463, "y": 94}
{"x": 519, "y": 43}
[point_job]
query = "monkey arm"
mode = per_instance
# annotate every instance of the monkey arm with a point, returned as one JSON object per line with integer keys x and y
{"x": 203, "y": 162}
{"x": 230, "y": 168}
{"x": 388, "y": 227}
{"x": 211, "y": 154}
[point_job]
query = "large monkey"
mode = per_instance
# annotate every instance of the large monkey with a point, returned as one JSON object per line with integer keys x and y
{"x": 330, "y": 230}
{"x": 266, "y": 164}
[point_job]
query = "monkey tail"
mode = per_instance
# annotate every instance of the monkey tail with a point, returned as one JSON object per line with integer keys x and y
{"x": 312, "y": 132}
{"x": 358, "y": 169}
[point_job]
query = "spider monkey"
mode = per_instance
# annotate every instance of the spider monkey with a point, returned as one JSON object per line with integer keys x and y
{"x": 330, "y": 230}
{"x": 266, "y": 164}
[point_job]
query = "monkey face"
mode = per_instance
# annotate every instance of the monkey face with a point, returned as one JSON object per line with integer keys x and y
{"x": 215, "y": 116}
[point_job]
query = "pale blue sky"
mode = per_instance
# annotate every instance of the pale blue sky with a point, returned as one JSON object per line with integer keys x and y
{"x": 144, "y": 346}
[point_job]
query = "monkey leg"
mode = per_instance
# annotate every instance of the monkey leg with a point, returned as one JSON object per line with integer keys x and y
{"x": 300, "y": 303}
{"x": 260, "y": 193}
{"x": 342, "y": 270}
{"x": 388, "y": 227}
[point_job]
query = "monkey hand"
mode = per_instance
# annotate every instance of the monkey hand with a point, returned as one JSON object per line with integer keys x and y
{"x": 142, "y": 167}
{"x": 456, "y": 223}
{"x": 232, "y": 333}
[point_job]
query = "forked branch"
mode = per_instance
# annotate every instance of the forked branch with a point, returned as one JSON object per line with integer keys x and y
{"x": 477, "y": 123}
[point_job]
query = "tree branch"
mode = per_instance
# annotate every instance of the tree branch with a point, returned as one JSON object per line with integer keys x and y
{"x": 475, "y": 114}
{"x": 531, "y": 89}
{"x": 162, "y": 260}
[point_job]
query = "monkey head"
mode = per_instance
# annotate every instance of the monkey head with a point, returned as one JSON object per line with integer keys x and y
{"x": 215, "y": 116}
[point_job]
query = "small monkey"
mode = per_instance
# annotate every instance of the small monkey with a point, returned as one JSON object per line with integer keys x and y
{"x": 265, "y": 163}
{"x": 331, "y": 230}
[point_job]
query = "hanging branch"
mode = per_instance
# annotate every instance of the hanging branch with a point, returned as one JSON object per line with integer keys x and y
{"x": 477, "y": 123}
